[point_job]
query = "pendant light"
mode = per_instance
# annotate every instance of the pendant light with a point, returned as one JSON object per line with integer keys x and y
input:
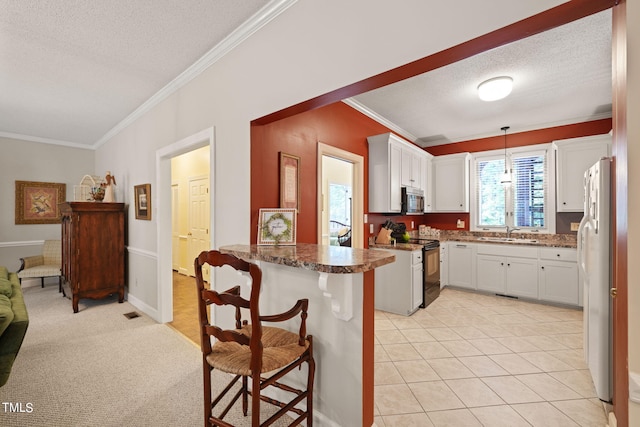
{"x": 506, "y": 176}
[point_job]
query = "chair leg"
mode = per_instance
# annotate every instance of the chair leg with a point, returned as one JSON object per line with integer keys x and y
{"x": 311, "y": 375}
{"x": 42, "y": 282}
{"x": 206, "y": 379}
{"x": 245, "y": 394}
{"x": 255, "y": 400}
{"x": 59, "y": 284}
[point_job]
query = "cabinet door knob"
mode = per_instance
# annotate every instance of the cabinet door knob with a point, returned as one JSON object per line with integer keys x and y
{"x": 542, "y": 267}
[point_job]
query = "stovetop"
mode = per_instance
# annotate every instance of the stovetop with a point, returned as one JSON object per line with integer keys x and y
{"x": 427, "y": 243}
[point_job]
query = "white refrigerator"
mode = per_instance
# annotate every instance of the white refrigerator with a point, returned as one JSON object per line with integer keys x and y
{"x": 594, "y": 260}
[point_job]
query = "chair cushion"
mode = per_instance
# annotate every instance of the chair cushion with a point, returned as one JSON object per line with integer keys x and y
{"x": 280, "y": 347}
{"x": 4, "y": 273}
{"x": 5, "y": 287}
{"x": 52, "y": 252}
{"x": 40, "y": 271}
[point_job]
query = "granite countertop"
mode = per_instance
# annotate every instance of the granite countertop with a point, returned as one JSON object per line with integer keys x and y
{"x": 324, "y": 259}
{"x": 398, "y": 246}
{"x": 542, "y": 240}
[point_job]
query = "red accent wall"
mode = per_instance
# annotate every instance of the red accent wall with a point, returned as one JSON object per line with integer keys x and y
{"x": 539, "y": 136}
{"x": 341, "y": 126}
{"x": 337, "y": 125}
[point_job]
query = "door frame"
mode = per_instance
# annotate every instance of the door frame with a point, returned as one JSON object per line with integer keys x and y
{"x": 357, "y": 216}
{"x": 163, "y": 213}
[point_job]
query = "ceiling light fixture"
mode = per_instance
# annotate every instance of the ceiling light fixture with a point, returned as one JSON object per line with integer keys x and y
{"x": 495, "y": 88}
{"x": 506, "y": 176}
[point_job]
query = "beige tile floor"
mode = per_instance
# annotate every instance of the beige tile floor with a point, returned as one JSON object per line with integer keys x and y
{"x": 478, "y": 360}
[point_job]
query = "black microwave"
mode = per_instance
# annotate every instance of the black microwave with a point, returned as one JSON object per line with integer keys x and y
{"x": 412, "y": 201}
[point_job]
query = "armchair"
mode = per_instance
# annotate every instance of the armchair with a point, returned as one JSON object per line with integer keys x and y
{"x": 46, "y": 265}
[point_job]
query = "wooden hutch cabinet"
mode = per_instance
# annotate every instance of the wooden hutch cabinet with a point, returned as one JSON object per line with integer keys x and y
{"x": 92, "y": 250}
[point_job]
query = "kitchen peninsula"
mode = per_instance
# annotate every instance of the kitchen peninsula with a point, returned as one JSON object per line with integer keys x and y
{"x": 339, "y": 283}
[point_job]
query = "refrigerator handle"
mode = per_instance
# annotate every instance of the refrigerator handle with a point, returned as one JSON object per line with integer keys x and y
{"x": 584, "y": 223}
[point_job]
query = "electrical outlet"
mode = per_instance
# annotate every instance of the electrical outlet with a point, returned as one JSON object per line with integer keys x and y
{"x": 413, "y": 225}
{"x": 460, "y": 224}
{"x": 575, "y": 226}
{"x": 371, "y": 228}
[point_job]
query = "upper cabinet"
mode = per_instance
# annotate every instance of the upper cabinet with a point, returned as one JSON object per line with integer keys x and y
{"x": 450, "y": 183}
{"x": 573, "y": 157}
{"x": 394, "y": 163}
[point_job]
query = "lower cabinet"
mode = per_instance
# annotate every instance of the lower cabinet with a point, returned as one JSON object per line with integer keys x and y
{"x": 546, "y": 274}
{"x": 558, "y": 276}
{"x": 398, "y": 285}
{"x": 507, "y": 270}
{"x": 461, "y": 264}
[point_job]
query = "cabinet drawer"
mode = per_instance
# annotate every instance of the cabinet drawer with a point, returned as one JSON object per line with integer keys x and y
{"x": 416, "y": 257}
{"x": 558, "y": 254}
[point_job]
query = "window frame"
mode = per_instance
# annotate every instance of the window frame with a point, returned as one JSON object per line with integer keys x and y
{"x": 550, "y": 188}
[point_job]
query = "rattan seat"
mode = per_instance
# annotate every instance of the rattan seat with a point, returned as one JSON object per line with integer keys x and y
{"x": 280, "y": 347}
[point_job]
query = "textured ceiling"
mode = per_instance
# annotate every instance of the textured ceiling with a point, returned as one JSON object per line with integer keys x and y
{"x": 72, "y": 70}
{"x": 560, "y": 76}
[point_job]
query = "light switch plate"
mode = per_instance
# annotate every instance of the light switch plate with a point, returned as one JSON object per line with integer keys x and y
{"x": 575, "y": 226}
{"x": 460, "y": 224}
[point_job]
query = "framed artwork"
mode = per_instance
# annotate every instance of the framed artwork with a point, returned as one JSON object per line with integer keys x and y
{"x": 142, "y": 194}
{"x": 289, "y": 181}
{"x": 277, "y": 227}
{"x": 37, "y": 202}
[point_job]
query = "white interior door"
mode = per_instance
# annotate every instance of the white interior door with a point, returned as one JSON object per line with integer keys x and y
{"x": 198, "y": 236}
{"x": 175, "y": 227}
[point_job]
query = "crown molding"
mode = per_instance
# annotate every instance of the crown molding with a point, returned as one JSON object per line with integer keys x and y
{"x": 380, "y": 119}
{"x": 243, "y": 32}
{"x": 44, "y": 140}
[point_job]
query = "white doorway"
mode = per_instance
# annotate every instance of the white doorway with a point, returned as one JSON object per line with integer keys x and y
{"x": 340, "y": 197}
{"x": 165, "y": 211}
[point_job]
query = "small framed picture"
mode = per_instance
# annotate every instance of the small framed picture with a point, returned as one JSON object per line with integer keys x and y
{"x": 289, "y": 181}
{"x": 277, "y": 227}
{"x": 142, "y": 194}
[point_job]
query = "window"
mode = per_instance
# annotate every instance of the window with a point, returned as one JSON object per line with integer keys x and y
{"x": 526, "y": 203}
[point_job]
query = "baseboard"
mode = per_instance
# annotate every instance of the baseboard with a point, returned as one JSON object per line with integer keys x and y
{"x": 144, "y": 307}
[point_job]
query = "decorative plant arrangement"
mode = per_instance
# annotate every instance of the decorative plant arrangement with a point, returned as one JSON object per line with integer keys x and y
{"x": 277, "y": 227}
{"x": 97, "y": 193}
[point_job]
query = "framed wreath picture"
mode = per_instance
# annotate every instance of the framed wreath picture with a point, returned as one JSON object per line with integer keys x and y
{"x": 142, "y": 194}
{"x": 277, "y": 227}
{"x": 38, "y": 202}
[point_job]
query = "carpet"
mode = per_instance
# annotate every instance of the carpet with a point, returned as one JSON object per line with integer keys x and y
{"x": 99, "y": 368}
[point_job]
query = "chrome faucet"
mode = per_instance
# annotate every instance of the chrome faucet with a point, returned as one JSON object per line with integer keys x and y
{"x": 511, "y": 230}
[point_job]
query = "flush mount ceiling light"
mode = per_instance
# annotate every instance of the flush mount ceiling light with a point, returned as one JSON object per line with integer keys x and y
{"x": 496, "y": 88}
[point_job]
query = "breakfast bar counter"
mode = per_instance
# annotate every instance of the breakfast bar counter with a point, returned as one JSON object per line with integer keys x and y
{"x": 339, "y": 284}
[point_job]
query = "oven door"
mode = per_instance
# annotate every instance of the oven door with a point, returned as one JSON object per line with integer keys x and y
{"x": 431, "y": 260}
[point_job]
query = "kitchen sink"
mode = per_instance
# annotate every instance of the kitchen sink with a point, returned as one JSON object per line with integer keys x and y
{"x": 507, "y": 240}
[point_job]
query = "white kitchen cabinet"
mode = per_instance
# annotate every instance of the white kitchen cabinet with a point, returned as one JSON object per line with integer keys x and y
{"x": 427, "y": 182}
{"x": 490, "y": 275}
{"x": 398, "y": 286}
{"x": 558, "y": 276}
{"x": 385, "y": 168}
{"x": 507, "y": 270}
{"x": 461, "y": 260}
{"x": 411, "y": 168}
{"x": 573, "y": 157}
{"x": 451, "y": 182}
{"x": 521, "y": 277}
{"x": 444, "y": 265}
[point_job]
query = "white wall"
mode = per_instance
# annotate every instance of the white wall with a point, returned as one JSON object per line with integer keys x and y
{"x": 294, "y": 58}
{"x": 33, "y": 161}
